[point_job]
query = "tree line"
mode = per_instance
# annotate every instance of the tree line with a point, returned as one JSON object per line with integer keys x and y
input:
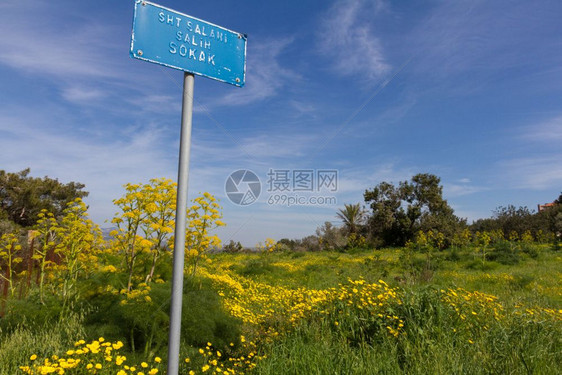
{"x": 398, "y": 213}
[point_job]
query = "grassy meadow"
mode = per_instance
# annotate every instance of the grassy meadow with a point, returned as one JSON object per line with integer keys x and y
{"x": 365, "y": 311}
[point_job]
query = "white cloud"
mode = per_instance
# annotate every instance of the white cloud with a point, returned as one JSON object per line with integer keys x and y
{"x": 104, "y": 163}
{"x": 265, "y": 76}
{"x": 30, "y": 42}
{"x": 456, "y": 190}
{"x": 537, "y": 173}
{"x": 485, "y": 37}
{"x": 160, "y": 104}
{"x": 303, "y": 108}
{"x": 354, "y": 181}
{"x": 78, "y": 94}
{"x": 539, "y": 167}
{"x": 544, "y": 132}
{"x": 348, "y": 39}
{"x": 270, "y": 147}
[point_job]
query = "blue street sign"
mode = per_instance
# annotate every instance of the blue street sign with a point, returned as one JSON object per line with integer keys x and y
{"x": 166, "y": 37}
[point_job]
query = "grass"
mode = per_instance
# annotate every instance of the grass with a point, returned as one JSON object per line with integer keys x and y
{"x": 450, "y": 313}
{"x": 19, "y": 343}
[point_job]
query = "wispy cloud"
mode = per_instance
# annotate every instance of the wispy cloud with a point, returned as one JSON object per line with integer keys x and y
{"x": 265, "y": 75}
{"x": 157, "y": 103}
{"x": 347, "y": 37}
{"x": 81, "y": 95}
{"x": 303, "y": 108}
{"x": 274, "y": 146}
{"x": 103, "y": 163}
{"x": 537, "y": 173}
{"x": 452, "y": 190}
{"x": 352, "y": 182}
{"x": 545, "y": 132}
{"x": 539, "y": 166}
{"x": 484, "y": 37}
{"x": 33, "y": 41}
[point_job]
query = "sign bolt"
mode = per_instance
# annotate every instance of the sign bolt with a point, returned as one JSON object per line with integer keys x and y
{"x": 238, "y": 80}
{"x": 139, "y": 52}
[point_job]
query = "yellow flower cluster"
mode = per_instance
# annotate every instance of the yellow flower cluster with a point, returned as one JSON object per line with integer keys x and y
{"x": 93, "y": 357}
{"x": 269, "y": 246}
{"x": 258, "y": 303}
{"x": 277, "y": 307}
{"x": 140, "y": 293}
{"x": 476, "y": 308}
{"x": 215, "y": 361}
{"x": 537, "y": 313}
{"x": 375, "y": 301}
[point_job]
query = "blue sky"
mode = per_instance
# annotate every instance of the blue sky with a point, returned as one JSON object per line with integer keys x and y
{"x": 379, "y": 90}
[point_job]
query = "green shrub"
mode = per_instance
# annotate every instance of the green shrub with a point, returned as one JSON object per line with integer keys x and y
{"x": 505, "y": 252}
{"x": 204, "y": 318}
{"x": 530, "y": 249}
{"x": 143, "y": 321}
{"x": 256, "y": 266}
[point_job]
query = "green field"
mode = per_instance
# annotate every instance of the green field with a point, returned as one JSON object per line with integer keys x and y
{"x": 365, "y": 312}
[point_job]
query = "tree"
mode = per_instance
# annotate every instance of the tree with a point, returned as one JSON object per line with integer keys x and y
{"x": 23, "y": 197}
{"x": 127, "y": 237}
{"x": 145, "y": 226}
{"x": 331, "y": 237}
{"x": 160, "y": 219}
{"x": 10, "y": 256}
{"x": 398, "y": 212}
{"x": 79, "y": 240}
{"x": 232, "y": 247}
{"x": 203, "y": 218}
{"x": 46, "y": 232}
{"x": 387, "y": 213}
{"x": 511, "y": 219}
{"x": 289, "y": 243}
{"x": 353, "y": 216}
{"x": 146, "y": 223}
{"x": 550, "y": 220}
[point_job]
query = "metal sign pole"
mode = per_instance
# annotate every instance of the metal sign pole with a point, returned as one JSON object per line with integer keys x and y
{"x": 179, "y": 240}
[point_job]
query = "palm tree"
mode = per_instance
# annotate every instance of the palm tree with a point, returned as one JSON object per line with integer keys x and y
{"x": 352, "y": 216}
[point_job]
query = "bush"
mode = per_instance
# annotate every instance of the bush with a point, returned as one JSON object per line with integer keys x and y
{"x": 505, "y": 252}
{"x": 256, "y": 266}
{"x": 530, "y": 249}
{"x": 143, "y": 318}
{"x": 233, "y": 247}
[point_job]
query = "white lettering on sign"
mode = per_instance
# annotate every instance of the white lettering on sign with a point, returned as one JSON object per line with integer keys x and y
{"x": 193, "y": 40}
{"x": 191, "y": 53}
{"x": 199, "y": 36}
